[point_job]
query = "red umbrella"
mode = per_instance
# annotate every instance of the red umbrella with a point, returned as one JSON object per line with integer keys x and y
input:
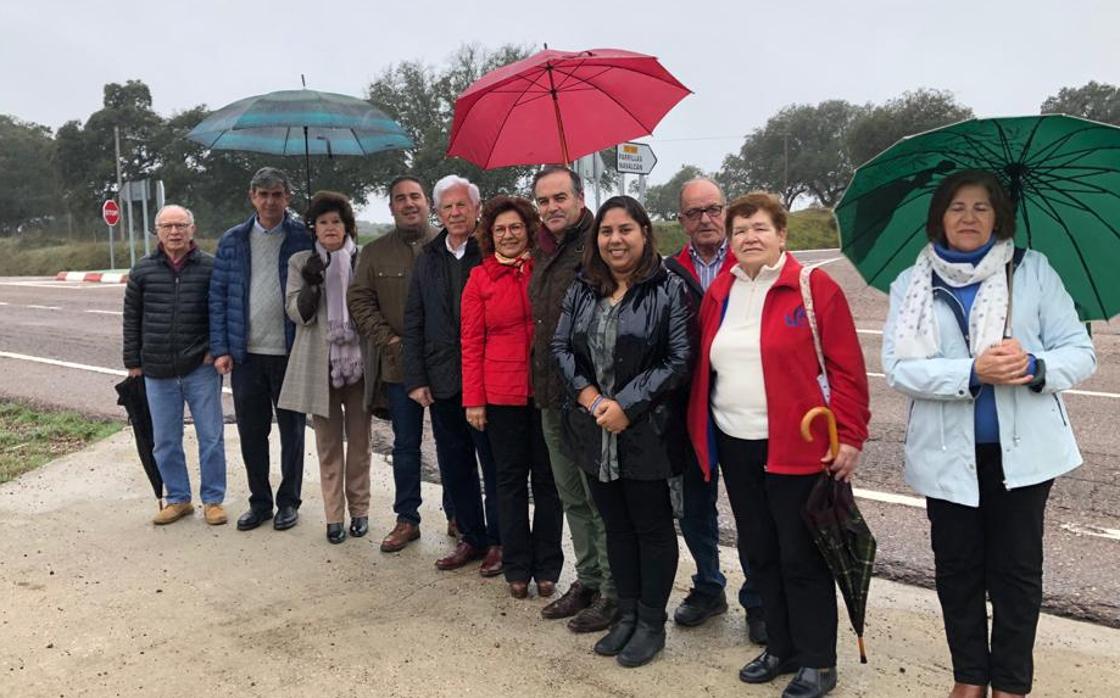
{"x": 556, "y": 106}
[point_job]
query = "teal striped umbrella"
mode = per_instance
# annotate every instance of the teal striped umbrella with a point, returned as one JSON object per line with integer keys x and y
{"x": 1063, "y": 176}
{"x": 295, "y": 122}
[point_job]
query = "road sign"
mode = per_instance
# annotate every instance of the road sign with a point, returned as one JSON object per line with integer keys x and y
{"x": 635, "y": 158}
{"x": 110, "y": 212}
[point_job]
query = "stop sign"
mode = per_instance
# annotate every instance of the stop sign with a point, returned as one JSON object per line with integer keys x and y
{"x": 111, "y": 212}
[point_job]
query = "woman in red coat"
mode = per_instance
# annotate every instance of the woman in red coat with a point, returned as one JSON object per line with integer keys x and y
{"x": 497, "y": 333}
{"x": 756, "y": 374}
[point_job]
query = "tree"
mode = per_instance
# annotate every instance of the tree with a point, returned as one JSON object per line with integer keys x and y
{"x": 914, "y": 112}
{"x": 29, "y": 190}
{"x": 1095, "y": 100}
{"x": 663, "y": 200}
{"x": 800, "y": 150}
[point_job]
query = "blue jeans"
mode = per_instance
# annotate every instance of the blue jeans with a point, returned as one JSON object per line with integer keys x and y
{"x": 408, "y": 430}
{"x": 456, "y": 445}
{"x": 202, "y": 391}
{"x": 700, "y": 527}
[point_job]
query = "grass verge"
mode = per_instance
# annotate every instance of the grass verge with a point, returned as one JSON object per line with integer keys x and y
{"x": 30, "y": 437}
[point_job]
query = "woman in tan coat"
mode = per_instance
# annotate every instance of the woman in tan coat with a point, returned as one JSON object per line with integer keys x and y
{"x": 324, "y": 376}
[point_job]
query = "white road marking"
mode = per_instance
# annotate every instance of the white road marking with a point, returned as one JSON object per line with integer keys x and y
{"x": 71, "y": 364}
{"x": 869, "y": 332}
{"x": 814, "y": 265}
{"x": 43, "y": 307}
{"x": 890, "y": 498}
{"x": 71, "y": 286}
{"x": 106, "y": 312}
{"x": 1090, "y": 530}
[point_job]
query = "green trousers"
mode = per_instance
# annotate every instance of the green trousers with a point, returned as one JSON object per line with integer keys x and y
{"x": 589, "y": 536}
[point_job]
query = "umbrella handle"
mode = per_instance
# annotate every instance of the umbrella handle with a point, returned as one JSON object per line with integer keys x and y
{"x": 833, "y": 436}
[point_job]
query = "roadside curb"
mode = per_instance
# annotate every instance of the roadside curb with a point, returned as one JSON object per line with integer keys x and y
{"x": 112, "y": 277}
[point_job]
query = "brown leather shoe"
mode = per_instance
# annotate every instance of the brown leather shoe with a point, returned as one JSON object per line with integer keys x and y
{"x": 401, "y": 535}
{"x": 574, "y": 600}
{"x": 492, "y": 563}
{"x": 545, "y": 588}
{"x": 598, "y": 616}
{"x": 519, "y": 590}
{"x": 464, "y": 552}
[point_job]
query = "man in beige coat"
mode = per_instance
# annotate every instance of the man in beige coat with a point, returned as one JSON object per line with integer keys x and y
{"x": 377, "y": 299}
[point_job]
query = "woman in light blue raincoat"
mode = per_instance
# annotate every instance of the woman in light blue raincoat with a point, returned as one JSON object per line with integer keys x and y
{"x": 988, "y": 431}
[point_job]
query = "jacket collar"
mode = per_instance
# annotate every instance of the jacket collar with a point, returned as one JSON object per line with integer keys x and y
{"x": 547, "y": 241}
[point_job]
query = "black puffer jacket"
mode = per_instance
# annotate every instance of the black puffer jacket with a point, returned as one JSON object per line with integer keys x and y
{"x": 167, "y": 314}
{"x": 653, "y": 356}
{"x": 432, "y": 353}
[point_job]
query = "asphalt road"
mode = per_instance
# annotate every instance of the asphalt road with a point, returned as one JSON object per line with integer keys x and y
{"x": 79, "y": 324}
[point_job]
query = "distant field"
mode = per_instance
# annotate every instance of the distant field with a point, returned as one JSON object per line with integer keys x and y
{"x": 809, "y": 229}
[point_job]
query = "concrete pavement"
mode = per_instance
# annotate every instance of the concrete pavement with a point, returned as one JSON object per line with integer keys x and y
{"x": 99, "y": 602}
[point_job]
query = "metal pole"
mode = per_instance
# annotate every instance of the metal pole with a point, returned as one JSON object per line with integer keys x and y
{"x": 120, "y": 185}
{"x": 642, "y": 189}
{"x": 131, "y": 234}
{"x": 144, "y": 214}
{"x": 785, "y": 160}
{"x": 112, "y": 264}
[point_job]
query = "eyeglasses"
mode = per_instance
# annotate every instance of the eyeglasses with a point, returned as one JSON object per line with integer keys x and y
{"x": 172, "y": 226}
{"x": 694, "y": 214}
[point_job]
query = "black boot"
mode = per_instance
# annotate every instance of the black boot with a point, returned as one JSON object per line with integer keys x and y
{"x": 613, "y": 642}
{"x": 648, "y": 638}
{"x": 335, "y": 533}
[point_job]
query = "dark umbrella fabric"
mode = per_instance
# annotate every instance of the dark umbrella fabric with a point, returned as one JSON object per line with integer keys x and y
{"x": 1063, "y": 176}
{"x": 840, "y": 533}
{"x": 132, "y": 396}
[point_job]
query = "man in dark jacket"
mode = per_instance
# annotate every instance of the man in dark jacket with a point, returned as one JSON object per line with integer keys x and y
{"x": 433, "y": 372}
{"x": 376, "y": 300}
{"x": 251, "y": 335}
{"x": 702, "y": 258}
{"x": 166, "y": 340}
{"x": 558, "y": 194}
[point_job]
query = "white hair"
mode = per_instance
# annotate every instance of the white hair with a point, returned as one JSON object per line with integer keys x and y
{"x": 184, "y": 209}
{"x": 452, "y": 182}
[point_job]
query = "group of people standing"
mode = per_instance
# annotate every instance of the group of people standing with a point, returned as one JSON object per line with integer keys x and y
{"x": 557, "y": 352}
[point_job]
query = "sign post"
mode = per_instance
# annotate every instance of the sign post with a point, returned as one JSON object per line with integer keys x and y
{"x": 636, "y": 158}
{"x": 111, "y": 214}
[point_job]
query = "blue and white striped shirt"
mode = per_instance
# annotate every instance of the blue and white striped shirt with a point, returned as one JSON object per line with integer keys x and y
{"x": 707, "y": 271}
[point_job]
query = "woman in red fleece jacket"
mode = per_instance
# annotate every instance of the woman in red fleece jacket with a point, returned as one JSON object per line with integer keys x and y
{"x": 756, "y": 375}
{"x": 497, "y": 333}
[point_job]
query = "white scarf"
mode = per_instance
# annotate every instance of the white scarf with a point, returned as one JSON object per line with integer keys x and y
{"x": 915, "y": 331}
{"x": 345, "y": 353}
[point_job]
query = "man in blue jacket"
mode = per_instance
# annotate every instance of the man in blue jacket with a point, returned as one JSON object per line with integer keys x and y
{"x": 251, "y": 335}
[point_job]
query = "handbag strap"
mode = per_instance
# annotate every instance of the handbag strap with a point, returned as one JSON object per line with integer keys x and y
{"x": 807, "y": 301}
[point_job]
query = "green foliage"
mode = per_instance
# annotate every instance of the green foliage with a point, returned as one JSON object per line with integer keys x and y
{"x": 663, "y": 200}
{"x": 29, "y": 187}
{"x": 914, "y": 112}
{"x": 1095, "y": 100}
{"x": 29, "y": 438}
{"x": 38, "y": 256}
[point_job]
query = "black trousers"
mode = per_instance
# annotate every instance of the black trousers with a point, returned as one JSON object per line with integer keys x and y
{"x": 641, "y": 541}
{"x": 521, "y": 457}
{"x": 256, "y": 387}
{"x": 798, "y": 592}
{"x": 457, "y": 445}
{"x": 995, "y": 550}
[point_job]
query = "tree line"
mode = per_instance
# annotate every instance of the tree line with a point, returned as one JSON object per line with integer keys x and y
{"x": 56, "y": 180}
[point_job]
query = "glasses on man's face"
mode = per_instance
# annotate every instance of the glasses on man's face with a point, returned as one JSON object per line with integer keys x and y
{"x": 694, "y": 214}
{"x": 167, "y": 227}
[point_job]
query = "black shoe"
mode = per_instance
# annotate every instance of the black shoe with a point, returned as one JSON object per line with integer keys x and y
{"x": 756, "y": 627}
{"x": 811, "y": 683}
{"x": 765, "y": 668}
{"x": 613, "y": 642}
{"x": 648, "y": 638}
{"x": 286, "y": 517}
{"x": 335, "y": 534}
{"x": 359, "y": 526}
{"x": 252, "y": 518}
{"x": 698, "y": 607}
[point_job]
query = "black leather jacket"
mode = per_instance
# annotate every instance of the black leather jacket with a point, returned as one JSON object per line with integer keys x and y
{"x": 653, "y": 357}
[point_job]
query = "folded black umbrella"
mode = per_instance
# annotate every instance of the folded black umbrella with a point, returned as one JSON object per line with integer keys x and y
{"x": 132, "y": 396}
{"x": 840, "y": 533}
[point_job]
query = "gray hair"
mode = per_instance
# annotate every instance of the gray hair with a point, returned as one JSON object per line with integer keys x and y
{"x": 451, "y": 182}
{"x": 184, "y": 209}
{"x": 270, "y": 178}
{"x": 697, "y": 180}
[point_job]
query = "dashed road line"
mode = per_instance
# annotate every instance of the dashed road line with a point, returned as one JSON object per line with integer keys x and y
{"x": 106, "y": 312}
{"x": 71, "y": 364}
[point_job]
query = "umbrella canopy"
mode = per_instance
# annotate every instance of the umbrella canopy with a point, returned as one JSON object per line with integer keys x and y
{"x": 840, "y": 532}
{"x": 301, "y": 122}
{"x": 556, "y": 106}
{"x": 1062, "y": 173}
{"x": 132, "y": 396}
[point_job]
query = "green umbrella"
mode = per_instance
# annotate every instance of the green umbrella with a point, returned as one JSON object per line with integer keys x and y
{"x": 1063, "y": 175}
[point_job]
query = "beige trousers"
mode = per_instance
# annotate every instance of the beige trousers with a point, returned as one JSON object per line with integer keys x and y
{"x": 345, "y": 479}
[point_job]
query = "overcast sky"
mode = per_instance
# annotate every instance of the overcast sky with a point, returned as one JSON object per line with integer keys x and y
{"x": 744, "y": 60}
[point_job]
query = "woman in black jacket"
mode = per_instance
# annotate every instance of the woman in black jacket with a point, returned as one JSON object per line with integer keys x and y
{"x": 623, "y": 344}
